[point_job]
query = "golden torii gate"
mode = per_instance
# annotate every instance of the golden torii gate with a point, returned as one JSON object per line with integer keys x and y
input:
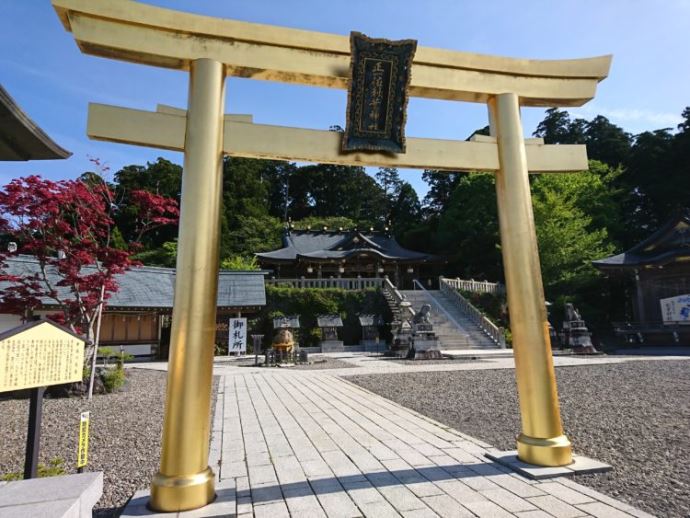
{"x": 211, "y": 49}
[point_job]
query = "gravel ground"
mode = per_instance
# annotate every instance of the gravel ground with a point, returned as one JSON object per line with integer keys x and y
{"x": 634, "y": 416}
{"x": 124, "y": 435}
{"x": 422, "y": 363}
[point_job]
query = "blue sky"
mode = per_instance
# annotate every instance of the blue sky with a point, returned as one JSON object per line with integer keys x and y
{"x": 647, "y": 88}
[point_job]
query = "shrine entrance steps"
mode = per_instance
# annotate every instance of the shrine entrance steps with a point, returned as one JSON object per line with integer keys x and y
{"x": 454, "y": 329}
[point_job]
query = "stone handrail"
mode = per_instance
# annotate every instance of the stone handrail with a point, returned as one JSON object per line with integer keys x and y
{"x": 436, "y": 307}
{"x": 476, "y": 286}
{"x": 497, "y": 334}
{"x": 396, "y": 296}
{"x": 345, "y": 283}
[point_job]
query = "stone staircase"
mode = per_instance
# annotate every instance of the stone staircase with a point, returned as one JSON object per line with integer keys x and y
{"x": 454, "y": 329}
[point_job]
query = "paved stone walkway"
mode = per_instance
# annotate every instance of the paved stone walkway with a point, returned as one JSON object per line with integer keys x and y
{"x": 309, "y": 444}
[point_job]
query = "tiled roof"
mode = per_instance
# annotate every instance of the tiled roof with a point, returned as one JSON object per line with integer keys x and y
{"x": 669, "y": 244}
{"x": 325, "y": 245}
{"x": 153, "y": 287}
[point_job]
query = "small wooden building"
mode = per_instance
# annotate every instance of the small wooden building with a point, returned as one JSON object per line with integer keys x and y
{"x": 137, "y": 316}
{"x": 328, "y": 253}
{"x": 659, "y": 269}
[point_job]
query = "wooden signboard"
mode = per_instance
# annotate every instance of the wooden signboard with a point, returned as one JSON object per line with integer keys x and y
{"x": 39, "y": 354}
{"x": 34, "y": 356}
{"x": 377, "y": 94}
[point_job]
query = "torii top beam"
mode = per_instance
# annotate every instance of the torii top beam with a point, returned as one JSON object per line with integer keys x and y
{"x": 132, "y": 31}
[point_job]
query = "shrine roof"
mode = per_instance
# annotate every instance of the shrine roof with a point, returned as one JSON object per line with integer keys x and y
{"x": 325, "y": 245}
{"x": 669, "y": 244}
{"x": 21, "y": 138}
{"x": 148, "y": 287}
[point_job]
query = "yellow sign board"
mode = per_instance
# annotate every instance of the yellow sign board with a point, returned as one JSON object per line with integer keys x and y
{"x": 39, "y": 354}
{"x": 83, "y": 451}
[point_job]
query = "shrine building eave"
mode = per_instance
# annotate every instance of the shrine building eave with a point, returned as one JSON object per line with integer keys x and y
{"x": 141, "y": 33}
{"x": 21, "y": 138}
{"x": 668, "y": 245}
{"x": 364, "y": 253}
{"x": 339, "y": 246}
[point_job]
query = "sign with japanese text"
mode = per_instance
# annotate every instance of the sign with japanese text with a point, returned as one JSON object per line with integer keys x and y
{"x": 676, "y": 309}
{"x": 377, "y": 94}
{"x": 83, "y": 451}
{"x": 237, "y": 339}
{"x": 39, "y": 354}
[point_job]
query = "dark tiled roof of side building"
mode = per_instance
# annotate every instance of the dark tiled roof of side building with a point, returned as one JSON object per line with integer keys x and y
{"x": 669, "y": 244}
{"x": 153, "y": 287}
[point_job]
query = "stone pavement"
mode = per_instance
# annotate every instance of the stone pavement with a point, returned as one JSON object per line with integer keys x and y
{"x": 309, "y": 444}
{"x": 301, "y": 443}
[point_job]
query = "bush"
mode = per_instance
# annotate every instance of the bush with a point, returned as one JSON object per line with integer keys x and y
{"x": 490, "y": 305}
{"x": 113, "y": 379}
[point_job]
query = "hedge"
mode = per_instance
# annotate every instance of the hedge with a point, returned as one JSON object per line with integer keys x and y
{"x": 308, "y": 303}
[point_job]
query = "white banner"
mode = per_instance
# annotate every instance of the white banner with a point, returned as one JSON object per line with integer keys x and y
{"x": 676, "y": 309}
{"x": 237, "y": 335}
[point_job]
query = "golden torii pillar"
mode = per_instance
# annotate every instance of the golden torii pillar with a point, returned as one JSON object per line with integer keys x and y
{"x": 211, "y": 49}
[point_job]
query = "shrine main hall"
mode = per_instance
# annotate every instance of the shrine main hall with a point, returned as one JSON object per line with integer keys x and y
{"x": 348, "y": 253}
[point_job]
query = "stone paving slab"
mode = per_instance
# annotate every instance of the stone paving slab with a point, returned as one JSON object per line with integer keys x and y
{"x": 335, "y": 449}
{"x": 307, "y": 443}
{"x": 580, "y": 465}
{"x": 64, "y": 496}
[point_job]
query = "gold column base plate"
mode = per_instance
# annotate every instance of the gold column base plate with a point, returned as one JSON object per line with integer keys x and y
{"x": 556, "y": 451}
{"x": 182, "y": 493}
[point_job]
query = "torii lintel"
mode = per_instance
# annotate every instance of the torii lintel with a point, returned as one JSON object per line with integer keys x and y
{"x": 132, "y": 31}
{"x": 166, "y": 127}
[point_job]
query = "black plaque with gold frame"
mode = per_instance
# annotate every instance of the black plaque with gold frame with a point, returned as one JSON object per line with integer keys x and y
{"x": 377, "y": 95}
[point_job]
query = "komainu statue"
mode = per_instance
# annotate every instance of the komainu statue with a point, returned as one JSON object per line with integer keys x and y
{"x": 423, "y": 315}
{"x": 575, "y": 332}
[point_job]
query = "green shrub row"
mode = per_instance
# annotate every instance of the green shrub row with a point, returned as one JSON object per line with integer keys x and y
{"x": 308, "y": 303}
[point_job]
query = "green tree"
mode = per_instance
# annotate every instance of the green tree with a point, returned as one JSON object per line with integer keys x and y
{"x": 558, "y": 128}
{"x": 648, "y": 200}
{"x": 246, "y": 226}
{"x": 161, "y": 177}
{"x": 319, "y": 222}
{"x": 607, "y": 142}
{"x": 405, "y": 211}
{"x": 164, "y": 255}
{"x": 278, "y": 175}
{"x": 325, "y": 190}
{"x": 468, "y": 229}
{"x": 568, "y": 239}
{"x": 240, "y": 263}
{"x": 389, "y": 180}
{"x": 253, "y": 234}
{"x": 441, "y": 186}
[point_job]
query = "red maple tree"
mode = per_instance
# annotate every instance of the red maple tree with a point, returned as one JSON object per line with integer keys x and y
{"x": 153, "y": 211}
{"x": 68, "y": 226}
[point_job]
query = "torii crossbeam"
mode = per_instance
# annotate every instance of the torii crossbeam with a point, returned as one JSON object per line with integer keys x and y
{"x": 211, "y": 49}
